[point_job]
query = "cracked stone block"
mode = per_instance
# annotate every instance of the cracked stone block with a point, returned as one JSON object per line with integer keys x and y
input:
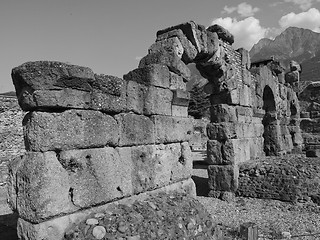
{"x": 71, "y": 129}
{"x": 176, "y": 82}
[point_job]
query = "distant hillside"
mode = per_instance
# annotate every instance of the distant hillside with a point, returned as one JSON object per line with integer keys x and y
{"x": 292, "y": 44}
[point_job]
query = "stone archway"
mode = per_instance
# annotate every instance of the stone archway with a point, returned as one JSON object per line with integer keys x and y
{"x": 269, "y": 121}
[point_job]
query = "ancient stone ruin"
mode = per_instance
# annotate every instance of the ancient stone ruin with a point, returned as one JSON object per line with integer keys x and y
{"x": 94, "y": 139}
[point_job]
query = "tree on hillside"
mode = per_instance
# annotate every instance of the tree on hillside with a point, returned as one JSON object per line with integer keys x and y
{"x": 199, "y": 105}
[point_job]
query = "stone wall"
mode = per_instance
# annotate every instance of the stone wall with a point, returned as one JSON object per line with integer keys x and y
{"x": 254, "y": 112}
{"x": 93, "y": 139}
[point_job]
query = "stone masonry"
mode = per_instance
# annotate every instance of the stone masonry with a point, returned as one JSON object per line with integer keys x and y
{"x": 94, "y": 139}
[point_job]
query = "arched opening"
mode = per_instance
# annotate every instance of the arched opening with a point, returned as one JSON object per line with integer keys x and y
{"x": 270, "y": 123}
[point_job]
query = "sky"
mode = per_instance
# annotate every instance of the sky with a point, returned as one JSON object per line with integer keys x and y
{"x": 111, "y": 36}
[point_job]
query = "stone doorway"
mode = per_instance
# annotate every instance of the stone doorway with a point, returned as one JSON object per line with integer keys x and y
{"x": 269, "y": 121}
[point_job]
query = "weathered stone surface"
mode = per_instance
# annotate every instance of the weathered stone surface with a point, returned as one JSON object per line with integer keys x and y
{"x": 156, "y": 166}
{"x": 170, "y": 59}
{"x": 245, "y": 58}
{"x": 221, "y": 131}
{"x": 148, "y": 100}
{"x": 155, "y": 74}
{"x": 171, "y": 129}
{"x": 190, "y": 52}
{"x": 39, "y": 185}
{"x": 180, "y": 98}
{"x": 45, "y": 84}
{"x": 69, "y": 130}
{"x": 223, "y": 178}
{"x": 70, "y": 98}
{"x": 54, "y": 229}
{"x": 96, "y": 175}
{"x": 179, "y": 111}
{"x": 176, "y": 82}
{"x": 223, "y": 34}
{"x": 135, "y": 129}
{"x": 190, "y": 31}
{"x": 158, "y": 101}
{"x": 83, "y": 178}
{"x": 223, "y": 113}
{"x": 42, "y": 75}
{"x": 214, "y": 154}
{"x": 171, "y": 45}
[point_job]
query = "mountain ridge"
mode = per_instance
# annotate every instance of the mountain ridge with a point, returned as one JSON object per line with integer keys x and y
{"x": 293, "y": 43}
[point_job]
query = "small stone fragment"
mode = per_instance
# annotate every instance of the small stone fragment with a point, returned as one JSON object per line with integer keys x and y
{"x": 92, "y": 221}
{"x": 99, "y": 232}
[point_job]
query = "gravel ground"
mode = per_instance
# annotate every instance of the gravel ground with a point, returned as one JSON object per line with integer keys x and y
{"x": 271, "y": 216}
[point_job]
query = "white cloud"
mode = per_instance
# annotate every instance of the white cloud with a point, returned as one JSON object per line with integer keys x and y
{"x": 309, "y": 19}
{"x": 303, "y": 4}
{"x": 246, "y": 32}
{"x": 244, "y": 9}
{"x": 229, "y": 10}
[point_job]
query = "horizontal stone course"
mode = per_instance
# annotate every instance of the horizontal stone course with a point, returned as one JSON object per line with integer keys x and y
{"x": 70, "y": 129}
{"x": 70, "y": 180}
{"x": 55, "y": 228}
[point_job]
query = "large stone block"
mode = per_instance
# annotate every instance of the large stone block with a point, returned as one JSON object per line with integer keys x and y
{"x": 70, "y": 129}
{"x": 176, "y": 82}
{"x": 172, "y": 129}
{"x": 155, "y": 166}
{"x": 244, "y": 114}
{"x": 245, "y": 58}
{"x": 223, "y": 113}
{"x": 190, "y": 51}
{"x": 179, "y": 111}
{"x": 223, "y": 34}
{"x": 55, "y": 85}
{"x": 221, "y": 131}
{"x": 158, "y": 101}
{"x": 223, "y": 178}
{"x": 189, "y": 29}
{"x": 54, "y": 229}
{"x": 148, "y": 100}
{"x": 170, "y": 44}
{"x": 96, "y": 175}
{"x": 42, "y": 75}
{"x": 135, "y": 129}
{"x": 44, "y": 185}
{"x": 39, "y": 187}
{"x": 155, "y": 74}
{"x": 170, "y": 59}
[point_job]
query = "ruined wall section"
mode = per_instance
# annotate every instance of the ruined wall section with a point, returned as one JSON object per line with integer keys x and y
{"x": 93, "y": 139}
{"x": 243, "y": 126}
